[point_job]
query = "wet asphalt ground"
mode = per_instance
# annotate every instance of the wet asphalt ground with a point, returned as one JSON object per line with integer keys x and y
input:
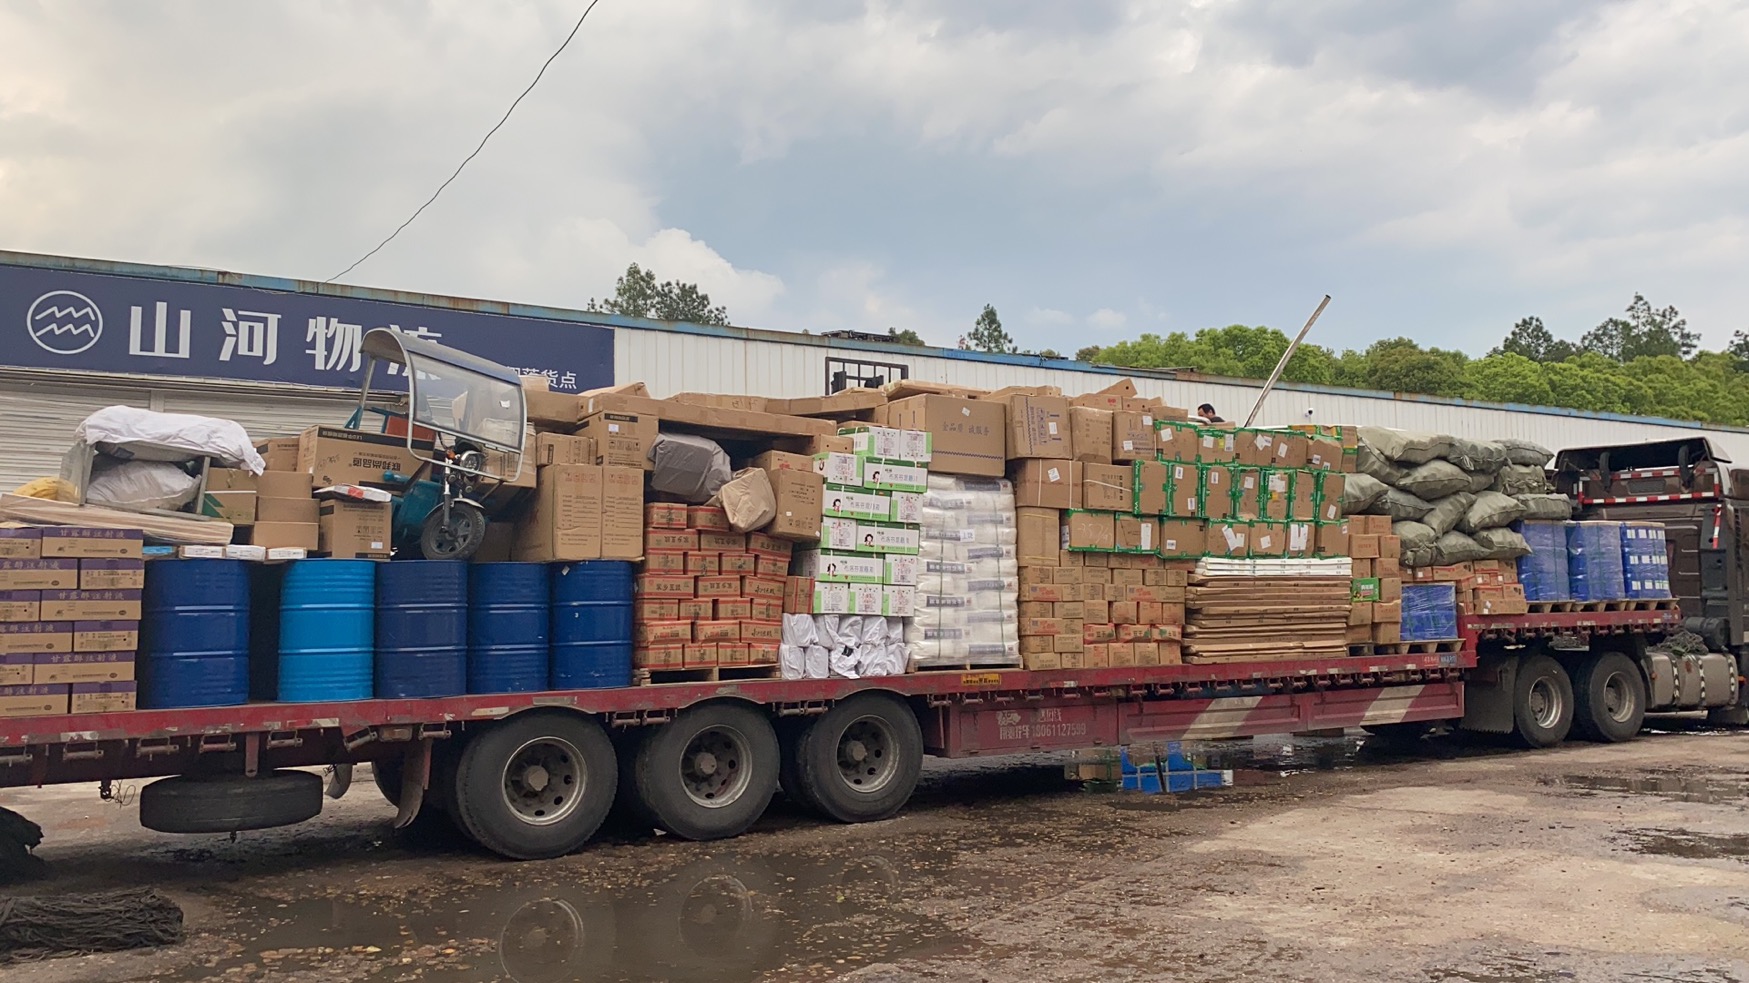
{"x": 1330, "y": 858}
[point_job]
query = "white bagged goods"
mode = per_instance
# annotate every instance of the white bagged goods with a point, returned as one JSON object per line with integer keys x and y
{"x": 817, "y": 662}
{"x": 793, "y": 660}
{"x": 141, "y": 485}
{"x": 969, "y": 581}
{"x": 147, "y": 435}
{"x": 799, "y": 630}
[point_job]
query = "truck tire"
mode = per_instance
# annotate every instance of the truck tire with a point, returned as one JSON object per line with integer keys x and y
{"x": 1542, "y": 703}
{"x": 789, "y": 776}
{"x": 860, "y": 761}
{"x": 1611, "y": 697}
{"x": 536, "y": 785}
{"x": 230, "y": 803}
{"x": 710, "y": 772}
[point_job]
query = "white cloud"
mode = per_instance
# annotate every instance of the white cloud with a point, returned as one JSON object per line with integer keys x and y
{"x": 1106, "y": 319}
{"x": 1049, "y": 317}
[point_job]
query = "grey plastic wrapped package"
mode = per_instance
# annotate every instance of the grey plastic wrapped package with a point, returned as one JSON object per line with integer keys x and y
{"x": 967, "y": 609}
{"x": 1546, "y": 506}
{"x": 1526, "y": 452}
{"x": 1477, "y": 455}
{"x": 693, "y": 468}
{"x": 1404, "y": 446}
{"x": 1360, "y": 491}
{"x": 1434, "y": 480}
{"x": 1491, "y": 511}
{"x": 1520, "y": 479}
{"x": 1400, "y": 505}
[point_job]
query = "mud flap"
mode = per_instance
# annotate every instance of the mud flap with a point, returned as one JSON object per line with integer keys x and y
{"x": 1488, "y": 690}
{"x": 339, "y": 779}
{"x": 415, "y": 775}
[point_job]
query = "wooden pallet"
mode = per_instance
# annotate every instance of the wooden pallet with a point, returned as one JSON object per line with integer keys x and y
{"x": 704, "y": 674}
{"x": 1642, "y": 604}
{"x": 966, "y": 666}
{"x": 1406, "y": 648}
{"x": 1552, "y": 607}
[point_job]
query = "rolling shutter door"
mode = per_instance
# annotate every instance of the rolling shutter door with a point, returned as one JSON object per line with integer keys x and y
{"x": 37, "y": 421}
{"x": 262, "y": 414}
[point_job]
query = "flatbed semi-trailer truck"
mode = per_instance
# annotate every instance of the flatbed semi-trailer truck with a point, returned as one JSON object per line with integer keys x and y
{"x": 534, "y": 775}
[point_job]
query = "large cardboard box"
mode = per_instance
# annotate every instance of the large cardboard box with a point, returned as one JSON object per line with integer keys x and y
{"x": 1176, "y": 440}
{"x": 1091, "y": 431}
{"x": 60, "y": 542}
{"x": 1329, "y": 497}
{"x": 1137, "y": 534}
{"x": 33, "y": 701}
{"x": 1107, "y": 487}
{"x": 305, "y": 510}
{"x": 1150, "y": 479}
{"x": 1214, "y": 446}
{"x": 622, "y": 511}
{"x": 284, "y": 484}
{"x": 1038, "y": 427}
{"x": 55, "y": 574}
{"x": 1331, "y": 539}
{"x": 1230, "y": 539}
{"x": 1256, "y": 448}
{"x": 1089, "y": 531}
{"x": 230, "y": 480}
{"x": 1048, "y": 484}
{"x": 969, "y": 436}
{"x": 1292, "y": 450}
{"x": 799, "y": 496}
{"x": 1217, "y": 491}
{"x": 621, "y": 439}
{"x": 286, "y": 535}
{"x": 560, "y": 448}
{"x": 1269, "y": 539}
{"x": 1248, "y": 493}
{"x": 564, "y": 522}
{"x": 1037, "y": 538}
{"x": 1132, "y": 436}
{"x": 1183, "y": 538}
{"x": 235, "y": 507}
{"x": 280, "y": 453}
{"x": 337, "y": 456}
{"x": 1184, "y": 491}
{"x": 1302, "y": 501}
{"x": 351, "y": 528}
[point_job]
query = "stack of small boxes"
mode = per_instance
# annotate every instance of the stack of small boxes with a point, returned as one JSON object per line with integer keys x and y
{"x": 1375, "y": 616}
{"x": 1645, "y": 560}
{"x": 707, "y": 596}
{"x": 867, "y": 561}
{"x": 1258, "y": 493}
{"x": 1134, "y": 609}
{"x": 69, "y": 619}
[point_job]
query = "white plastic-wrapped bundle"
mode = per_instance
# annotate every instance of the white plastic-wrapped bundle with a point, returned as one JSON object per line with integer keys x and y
{"x": 847, "y": 646}
{"x": 968, "y": 578}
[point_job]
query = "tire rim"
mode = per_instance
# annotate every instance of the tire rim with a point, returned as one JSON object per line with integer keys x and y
{"x": 1545, "y": 703}
{"x": 540, "y": 939}
{"x": 866, "y": 759}
{"x": 1618, "y": 698}
{"x": 544, "y": 781}
{"x": 716, "y": 766}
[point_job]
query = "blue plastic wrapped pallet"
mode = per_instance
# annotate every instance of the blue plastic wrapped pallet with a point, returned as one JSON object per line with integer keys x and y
{"x": 1645, "y": 559}
{"x": 1544, "y": 572}
{"x": 1429, "y": 612}
{"x": 1594, "y": 567}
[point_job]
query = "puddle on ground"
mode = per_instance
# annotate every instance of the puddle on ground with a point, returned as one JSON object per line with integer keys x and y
{"x": 1682, "y": 788}
{"x": 1688, "y": 844}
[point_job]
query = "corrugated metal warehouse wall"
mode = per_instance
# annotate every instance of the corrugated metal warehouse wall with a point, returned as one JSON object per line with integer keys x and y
{"x": 769, "y": 364}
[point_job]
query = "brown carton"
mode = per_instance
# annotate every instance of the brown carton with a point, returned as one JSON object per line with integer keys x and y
{"x": 799, "y": 496}
{"x": 60, "y": 542}
{"x": 1132, "y": 436}
{"x": 279, "y": 454}
{"x": 621, "y": 439}
{"x": 1229, "y": 539}
{"x": 560, "y": 448}
{"x": 1049, "y": 484}
{"x": 337, "y": 456}
{"x": 969, "y": 435}
{"x": 1362, "y": 547}
{"x": 1302, "y": 496}
{"x": 1324, "y": 454}
{"x": 1091, "y": 434}
{"x": 1330, "y": 486}
{"x": 1332, "y": 539}
{"x": 783, "y": 461}
{"x": 1089, "y": 531}
{"x": 1176, "y": 441}
{"x": 351, "y": 528}
{"x": 1269, "y": 539}
{"x": 1185, "y": 491}
{"x": 1149, "y": 479}
{"x": 54, "y": 574}
{"x": 230, "y": 480}
{"x": 1038, "y": 427}
{"x": 304, "y": 510}
{"x": 1216, "y": 446}
{"x": 286, "y": 535}
{"x": 284, "y": 484}
{"x": 622, "y": 506}
{"x": 564, "y": 521}
{"x": 1291, "y": 450}
{"x": 33, "y": 701}
{"x": 83, "y": 667}
{"x": 1256, "y": 448}
{"x": 1387, "y": 611}
{"x": 1182, "y": 537}
{"x": 1217, "y": 491}
{"x": 103, "y": 697}
{"x": 1037, "y": 536}
{"x": 235, "y": 507}
{"x": 1107, "y": 487}
{"x": 1134, "y": 533}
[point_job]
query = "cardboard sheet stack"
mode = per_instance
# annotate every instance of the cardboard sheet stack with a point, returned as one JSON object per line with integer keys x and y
{"x": 967, "y": 613}
{"x": 69, "y": 619}
{"x": 1300, "y": 606}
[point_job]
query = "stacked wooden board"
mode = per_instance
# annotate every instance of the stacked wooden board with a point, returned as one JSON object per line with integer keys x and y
{"x": 1266, "y": 610}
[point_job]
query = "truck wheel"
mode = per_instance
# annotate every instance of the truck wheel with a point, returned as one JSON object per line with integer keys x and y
{"x": 861, "y": 760}
{"x": 1542, "y": 705}
{"x": 1612, "y": 698}
{"x": 789, "y": 775}
{"x": 710, "y": 773}
{"x": 230, "y": 803}
{"x": 535, "y": 786}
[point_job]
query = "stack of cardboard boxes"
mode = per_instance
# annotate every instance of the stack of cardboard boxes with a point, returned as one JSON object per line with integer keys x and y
{"x": 69, "y": 619}
{"x": 707, "y": 596}
{"x": 869, "y": 532}
{"x": 1482, "y": 587}
{"x": 1376, "y": 614}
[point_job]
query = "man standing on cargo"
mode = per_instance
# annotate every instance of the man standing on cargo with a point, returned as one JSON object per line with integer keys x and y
{"x": 1207, "y": 412}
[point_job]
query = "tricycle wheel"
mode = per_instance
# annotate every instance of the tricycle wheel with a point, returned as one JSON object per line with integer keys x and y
{"x": 456, "y": 539}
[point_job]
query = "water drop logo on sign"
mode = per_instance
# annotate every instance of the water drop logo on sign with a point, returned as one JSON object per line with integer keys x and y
{"x": 64, "y": 322}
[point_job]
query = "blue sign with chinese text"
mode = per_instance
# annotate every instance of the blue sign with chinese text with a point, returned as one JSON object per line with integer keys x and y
{"x": 95, "y": 322}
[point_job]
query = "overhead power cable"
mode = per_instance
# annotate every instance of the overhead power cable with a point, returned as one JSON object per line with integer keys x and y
{"x": 458, "y": 168}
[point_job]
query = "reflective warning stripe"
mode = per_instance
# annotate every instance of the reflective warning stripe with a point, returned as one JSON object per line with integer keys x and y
{"x": 1644, "y": 499}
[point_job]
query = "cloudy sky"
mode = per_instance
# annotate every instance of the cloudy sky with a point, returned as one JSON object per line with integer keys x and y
{"x": 1093, "y": 169}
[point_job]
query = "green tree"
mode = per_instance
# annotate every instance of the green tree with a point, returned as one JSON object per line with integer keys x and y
{"x": 1507, "y": 377}
{"x": 906, "y": 337}
{"x": 1091, "y": 352}
{"x": 1534, "y": 341}
{"x": 1739, "y": 350}
{"x": 637, "y": 294}
{"x": 988, "y": 335}
{"x": 1401, "y": 365}
{"x": 1236, "y": 350}
{"x": 1644, "y": 333}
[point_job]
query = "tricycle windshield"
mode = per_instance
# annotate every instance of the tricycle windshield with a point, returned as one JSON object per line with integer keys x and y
{"x": 467, "y": 405}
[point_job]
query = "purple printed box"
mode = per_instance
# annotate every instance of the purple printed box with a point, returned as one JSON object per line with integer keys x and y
{"x": 91, "y": 605}
{"x": 83, "y": 667}
{"x": 21, "y": 543}
{"x": 38, "y": 574}
{"x": 112, "y": 574}
{"x": 33, "y": 701}
{"x": 20, "y": 605}
{"x": 103, "y": 697}
{"x": 106, "y": 636}
{"x": 18, "y": 669}
{"x": 76, "y": 542}
{"x": 36, "y": 637}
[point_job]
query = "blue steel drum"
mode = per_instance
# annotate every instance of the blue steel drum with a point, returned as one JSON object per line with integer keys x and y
{"x": 422, "y": 629}
{"x": 194, "y": 645}
{"x": 592, "y": 625}
{"x": 507, "y": 627}
{"x": 327, "y": 630}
